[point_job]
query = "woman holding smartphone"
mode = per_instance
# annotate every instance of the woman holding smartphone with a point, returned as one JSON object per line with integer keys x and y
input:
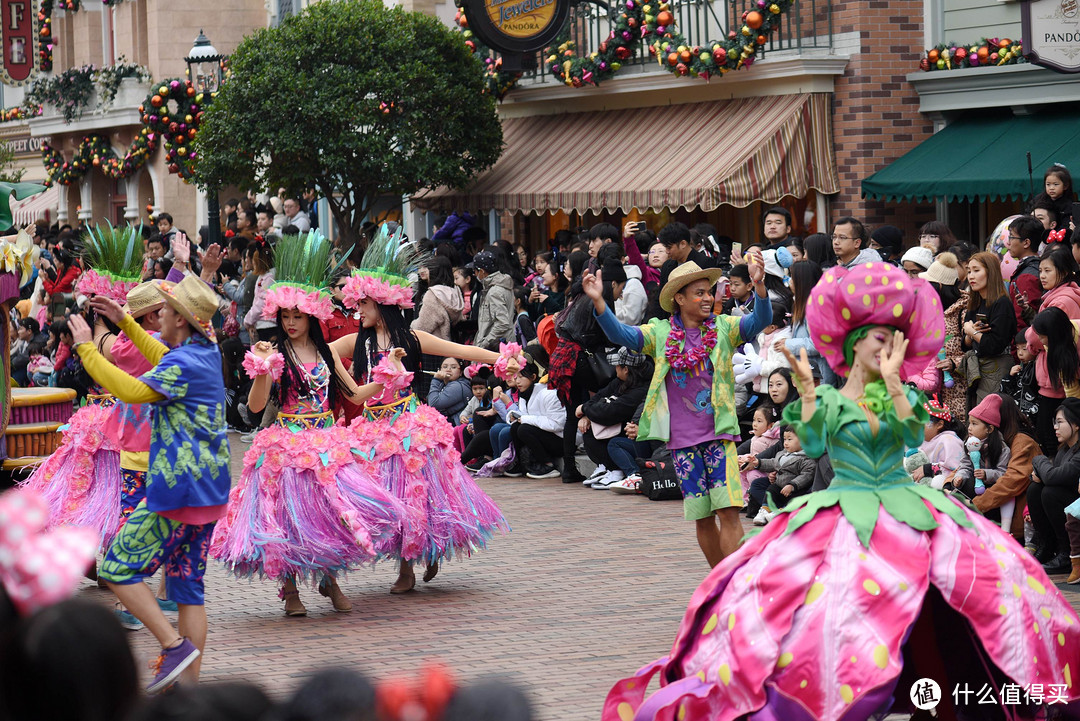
{"x": 989, "y": 326}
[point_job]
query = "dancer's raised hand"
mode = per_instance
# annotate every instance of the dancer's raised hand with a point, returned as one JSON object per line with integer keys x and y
{"x": 264, "y": 349}
{"x": 80, "y": 331}
{"x": 890, "y": 364}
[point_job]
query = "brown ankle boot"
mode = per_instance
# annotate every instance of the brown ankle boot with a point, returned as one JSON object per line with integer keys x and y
{"x": 1074, "y": 577}
{"x": 332, "y": 591}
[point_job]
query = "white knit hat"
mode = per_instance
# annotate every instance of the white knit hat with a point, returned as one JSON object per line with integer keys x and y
{"x": 922, "y": 257}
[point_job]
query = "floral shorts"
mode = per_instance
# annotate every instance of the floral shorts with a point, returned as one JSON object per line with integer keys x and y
{"x": 147, "y": 541}
{"x": 708, "y": 476}
{"x": 132, "y": 491}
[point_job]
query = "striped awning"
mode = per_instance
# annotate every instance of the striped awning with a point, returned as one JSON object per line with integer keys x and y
{"x": 42, "y": 205}
{"x": 703, "y": 155}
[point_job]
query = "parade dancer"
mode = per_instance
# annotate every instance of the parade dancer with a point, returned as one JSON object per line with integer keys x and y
{"x": 82, "y": 480}
{"x": 303, "y": 506}
{"x": 690, "y": 404}
{"x": 851, "y": 595}
{"x": 188, "y": 482}
{"x": 410, "y": 444}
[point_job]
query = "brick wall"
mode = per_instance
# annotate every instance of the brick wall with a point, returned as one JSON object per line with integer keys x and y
{"x": 876, "y": 115}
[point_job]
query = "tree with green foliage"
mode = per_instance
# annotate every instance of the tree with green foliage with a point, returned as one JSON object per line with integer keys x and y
{"x": 354, "y": 99}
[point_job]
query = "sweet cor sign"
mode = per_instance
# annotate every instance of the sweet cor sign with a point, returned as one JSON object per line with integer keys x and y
{"x": 1052, "y": 33}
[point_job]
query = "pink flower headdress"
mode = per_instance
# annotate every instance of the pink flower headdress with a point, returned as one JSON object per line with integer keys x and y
{"x": 302, "y": 272}
{"x": 384, "y": 271}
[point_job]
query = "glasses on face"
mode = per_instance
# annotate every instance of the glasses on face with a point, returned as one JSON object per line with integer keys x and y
{"x": 1013, "y": 237}
{"x": 842, "y": 238}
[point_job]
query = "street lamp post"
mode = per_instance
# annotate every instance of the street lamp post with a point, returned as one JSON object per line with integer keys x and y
{"x": 206, "y": 71}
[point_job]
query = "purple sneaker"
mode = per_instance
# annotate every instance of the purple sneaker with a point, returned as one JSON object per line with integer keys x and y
{"x": 170, "y": 664}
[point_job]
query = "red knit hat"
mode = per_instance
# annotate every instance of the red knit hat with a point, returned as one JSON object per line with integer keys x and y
{"x": 989, "y": 411}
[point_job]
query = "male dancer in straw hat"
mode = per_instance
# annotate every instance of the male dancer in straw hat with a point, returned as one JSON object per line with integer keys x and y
{"x": 690, "y": 404}
{"x": 189, "y": 468}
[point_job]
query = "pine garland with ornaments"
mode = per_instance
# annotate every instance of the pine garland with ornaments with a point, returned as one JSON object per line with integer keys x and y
{"x": 45, "y": 41}
{"x": 498, "y": 82}
{"x": 175, "y": 125}
{"x": 95, "y": 152}
{"x": 988, "y": 52}
{"x": 656, "y": 21}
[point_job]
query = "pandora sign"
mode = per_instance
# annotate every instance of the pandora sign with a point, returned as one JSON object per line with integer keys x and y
{"x": 1052, "y": 33}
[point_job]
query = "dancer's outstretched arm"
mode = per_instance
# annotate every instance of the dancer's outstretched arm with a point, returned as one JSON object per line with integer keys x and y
{"x": 122, "y": 385}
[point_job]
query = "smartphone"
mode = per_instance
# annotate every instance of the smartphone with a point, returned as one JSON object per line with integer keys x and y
{"x": 980, "y": 318}
{"x": 736, "y": 249}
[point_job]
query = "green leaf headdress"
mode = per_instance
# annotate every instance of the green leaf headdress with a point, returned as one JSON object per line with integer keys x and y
{"x": 115, "y": 258}
{"x": 303, "y": 266}
{"x": 384, "y": 271}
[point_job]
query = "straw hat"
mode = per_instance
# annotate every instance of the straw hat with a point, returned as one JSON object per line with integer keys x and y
{"x": 143, "y": 298}
{"x": 194, "y": 300}
{"x": 683, "y": 276}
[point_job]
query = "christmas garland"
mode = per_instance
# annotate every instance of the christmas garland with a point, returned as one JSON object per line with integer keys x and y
{"x": 20, "y": 112}
{"x": 988, "y": 52}
{"x": 95, "y": 152}
{"x": 71, "y": 90}
{"x": 647, "y": 19}
{"x": 45, "y": 41}
{"x": 175, "y": 128}
{"x": 498, "y": 82}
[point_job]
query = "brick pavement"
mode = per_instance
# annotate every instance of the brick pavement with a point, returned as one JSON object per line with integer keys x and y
{"x": 588, "y": 587}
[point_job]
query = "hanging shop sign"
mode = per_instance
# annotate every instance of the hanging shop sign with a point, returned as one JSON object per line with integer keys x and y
{"x": 517, "y": 26}
{"x": 18, "y": 18}
{"x": 1052, "y": 33}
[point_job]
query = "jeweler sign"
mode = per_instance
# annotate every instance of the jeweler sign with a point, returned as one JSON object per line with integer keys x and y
{"x": 18, "y": 18}
{"x": 517, "y": 26}
{"x": 1052, "y": 33}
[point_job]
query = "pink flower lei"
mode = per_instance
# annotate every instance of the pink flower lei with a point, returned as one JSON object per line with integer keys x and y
{"x": 362, "y": 285}
{"x": 283, "y": 296}
{"x": 676, "y": 341}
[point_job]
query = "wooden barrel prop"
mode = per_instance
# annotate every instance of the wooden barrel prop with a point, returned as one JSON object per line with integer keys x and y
{"x": 32, "y": 439}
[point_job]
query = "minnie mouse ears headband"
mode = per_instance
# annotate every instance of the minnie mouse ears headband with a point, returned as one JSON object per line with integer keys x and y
{"x": 37, "y": 567}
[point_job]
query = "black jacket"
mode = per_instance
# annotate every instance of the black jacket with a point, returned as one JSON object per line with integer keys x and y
{"x": 611, "y": 406}
{"x": 1061, "y": 472}
{"x": 1002, "y": 321}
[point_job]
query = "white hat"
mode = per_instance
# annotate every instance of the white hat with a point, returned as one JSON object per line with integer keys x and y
{"x": 920, "y": 256}
{"x": 772, "y": 265}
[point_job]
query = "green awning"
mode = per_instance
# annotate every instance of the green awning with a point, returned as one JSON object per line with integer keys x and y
{"x": 981, "y": 158}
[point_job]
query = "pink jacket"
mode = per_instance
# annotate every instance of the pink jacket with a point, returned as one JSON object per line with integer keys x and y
{"x": 929, "y": 379}
{"x": 1066, "y": 297}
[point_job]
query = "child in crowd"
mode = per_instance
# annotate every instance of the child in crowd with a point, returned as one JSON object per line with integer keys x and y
{"x": 1021, "y": 383}
{"x": 524, "y": 328}
{"x": 450, "y": 391}
{"x": 994, "y": 455}
{"x": 765, "y": 433}
{"x": 478, "y": 418}
{"x": 944, "y": 449}
{"x": 40, "y": 366}
{"x": 794, "y": 476}
{"x": 741, "y": 291}
{"x": 772, "y": 357}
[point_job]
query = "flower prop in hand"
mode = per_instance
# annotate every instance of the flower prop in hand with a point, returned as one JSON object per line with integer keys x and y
{"x": 273, "y": 365}
{"x": 508, "y": 352}
{"x": 392, "y": 376}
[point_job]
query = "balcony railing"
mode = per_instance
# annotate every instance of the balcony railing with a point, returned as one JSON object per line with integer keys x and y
{"x": 806, "y": 25}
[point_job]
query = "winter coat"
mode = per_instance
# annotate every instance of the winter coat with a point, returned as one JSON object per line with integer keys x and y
{"x": 792, "y": 469}
{"x": 543, "y": 409}
{"x": 1066, "y": 297}
{"x": 1025, "y": 280}
{"x": 63, "y": 283}
{"x": 1062, "y": 471}
{"x": 630, "y": 307}
{"x": 449, "y": 398}
{"x": 440, "y": 308}
{"x": 495, "y": 319}
{"x": 946, "y": 451}
{"x": 1002, "y": 321}
{"x": 771, "y": 359}
{"x": 454, "y": 229}
{"x": 254, "y": 315}
{"x": 612, "y": 406}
